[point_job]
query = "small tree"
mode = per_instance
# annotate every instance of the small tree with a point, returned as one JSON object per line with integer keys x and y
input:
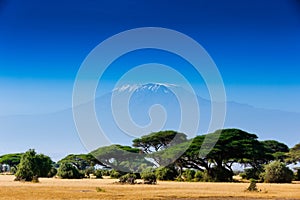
{"x": 148, "y": 176}
{"x": 32, "y": 166}
{"x": 166, "y": 173}
{"x": 69, "y": 171}
{"x": 277, "y": 172}
{"x": 128, "y": 178}
{"x": 98, "y": 173}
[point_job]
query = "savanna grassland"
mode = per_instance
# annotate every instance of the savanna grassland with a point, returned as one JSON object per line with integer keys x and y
{"x": 51, "y": 188}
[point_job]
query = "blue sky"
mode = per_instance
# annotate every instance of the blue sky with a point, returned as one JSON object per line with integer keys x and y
{"x": 255, "y": 44}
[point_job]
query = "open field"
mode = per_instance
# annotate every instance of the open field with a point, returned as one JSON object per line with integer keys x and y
{"x": 86, "y": 189}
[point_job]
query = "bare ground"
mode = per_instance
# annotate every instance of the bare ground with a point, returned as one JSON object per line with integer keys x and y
{"x": 86, "y": 189}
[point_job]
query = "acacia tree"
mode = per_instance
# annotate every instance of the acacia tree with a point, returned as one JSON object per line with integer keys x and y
{"x": 233, "y": 146}
{"x": 11, "y": 159}
{"x": 159, "y": 140}
{"x": 294, "y": 154}
{"x": 33, "y": 165}
{"x": 275, "y": 150}
{"x": 121, "y": 158}
{"x": 81, "y": 161}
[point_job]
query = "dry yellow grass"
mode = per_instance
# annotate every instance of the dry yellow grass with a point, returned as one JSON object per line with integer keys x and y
{"x": 86, "y": 189}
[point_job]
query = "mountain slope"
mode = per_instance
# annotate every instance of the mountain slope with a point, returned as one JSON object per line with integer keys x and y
{"x": 55, "y": 133}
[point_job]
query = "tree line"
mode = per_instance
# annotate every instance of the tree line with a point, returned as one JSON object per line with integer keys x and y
{"x": 169, "y": 155}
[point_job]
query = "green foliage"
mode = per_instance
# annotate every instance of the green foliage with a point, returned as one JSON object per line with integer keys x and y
{"x": 81, "y": 161}
{"x": 252, "y": 173}
{"x": 69, "y": 171}
{"x": 116, "y": 174}
{"x": 294, "y": 154}
{"x": 189, "y": 175}
{"x": 166, "y": 173}
{"x": 220, "y": 174}
{"x": 121, "y": 158}
{"x": 198, "y": 176}
{"x": 33, "y": 165}
{"x": 13, "y": 170}
{"x": 105, "y": 172}
{"x": 11, "y": 159}
{"x": 148, "y": 176}
{"x": 88, "y": 171}
{"x": 159, "y": 140}
{"x": 128, "y": 178}
{"x": 277, "y": 172}
{"x": 232, "y": 146}
{"x": 275, "y": 150}
{"x": 98, "y": 173}
{"x": 52, "y": 172}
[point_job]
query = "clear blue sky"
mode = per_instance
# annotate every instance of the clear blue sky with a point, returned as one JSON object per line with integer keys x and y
{"x": 255, "y": 44}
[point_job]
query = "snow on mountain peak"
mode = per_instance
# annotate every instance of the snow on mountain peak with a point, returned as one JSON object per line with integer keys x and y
{"x": 154, "y": 87}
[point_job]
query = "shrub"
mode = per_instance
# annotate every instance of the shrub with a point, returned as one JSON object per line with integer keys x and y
{"x": 127, "y": 178}
{"x": 189, "y": 174}
{"x": 98, "y": 173}
{"x": 69, "y": 171}
{"x": 52, "y": 172}
{"x": 198, "y": 176}
{"x": 165, "y": 173}
{"x": 277, "y": 172}
{"x": 116, "y": 174}
{"x": 88, "y": 171}
{"x": 251, "y": 173}
{"x": 105, "y": 172}
{"x": 148, "y": 176}
{"x": 35, "y": 179}
{"x": 220, "y": 174}
{"x": 252, "y": 187}
{"x": 98, "y": 189}
{"x": 13, "y": 169}
{"x": 32, "y": 166}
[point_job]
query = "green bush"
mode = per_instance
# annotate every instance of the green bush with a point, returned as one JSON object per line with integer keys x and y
{"x": 251, "y": 173}
{"x": 148, "y": 176}
{"x": 88, "y": 171}
{"x": 189, "y": 175}
{"x": 128, "y": 178}
{"x": 166, "y": 173}
{"x": 98, "y": 173}
{"x": 32, "y": 166}
{"x": 277, "y": 172}
{"x": 13, "y": 170}
{"x": 116, "y": 174}
{"x": 219, "y": 174}
{"x": 105, "y": 172}
{"x": 198, "y": 176}
{"x": 52, "y": 172}
{"x": 69, "y": 171}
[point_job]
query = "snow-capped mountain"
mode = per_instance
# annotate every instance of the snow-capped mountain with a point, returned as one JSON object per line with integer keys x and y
{"x": 59, "y": 130}
{"x": 153, "y": 87}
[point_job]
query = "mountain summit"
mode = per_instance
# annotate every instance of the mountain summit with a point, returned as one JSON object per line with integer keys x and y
{"x": 153, "y": 87}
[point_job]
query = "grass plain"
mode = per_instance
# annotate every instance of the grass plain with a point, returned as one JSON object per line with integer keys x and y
{"x": 51, "y": 188}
